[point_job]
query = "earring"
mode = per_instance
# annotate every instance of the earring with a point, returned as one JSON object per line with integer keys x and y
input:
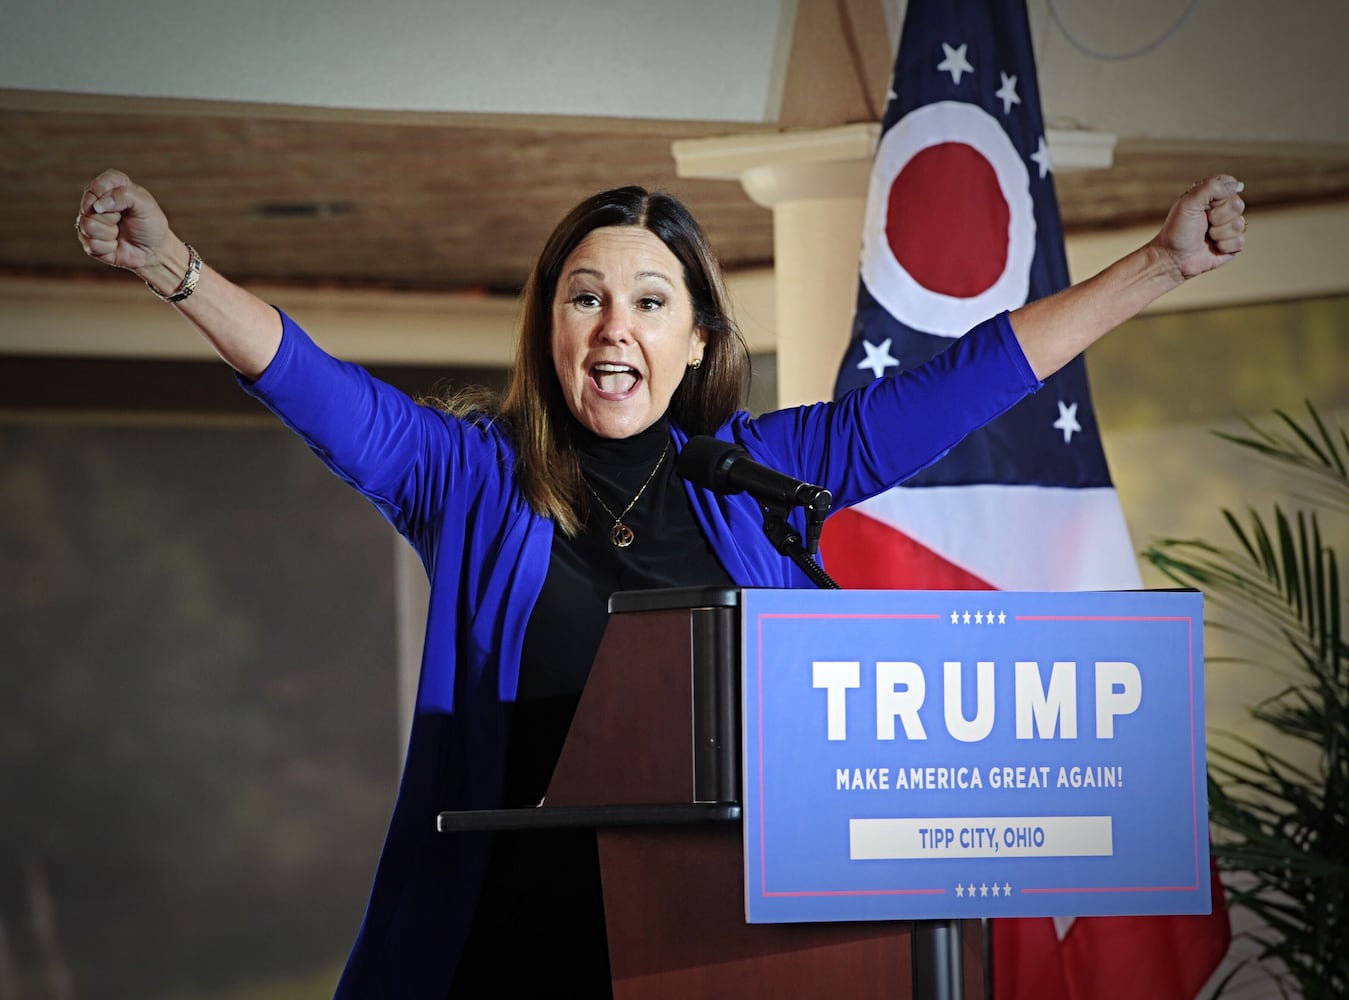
{"x": 696, "y": 363}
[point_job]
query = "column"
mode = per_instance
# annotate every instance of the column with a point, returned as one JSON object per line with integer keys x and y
{"x": 815, "y": 183}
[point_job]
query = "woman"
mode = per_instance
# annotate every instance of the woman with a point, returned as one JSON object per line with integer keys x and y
{"x": 528, "y": 514}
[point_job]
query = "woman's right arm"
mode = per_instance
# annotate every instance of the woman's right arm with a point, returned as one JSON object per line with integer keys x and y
{"x": 398, "y": 454}
{"x": 122, "y": 225}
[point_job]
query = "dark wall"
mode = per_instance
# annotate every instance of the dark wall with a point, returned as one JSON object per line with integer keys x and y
{"x": 197, "y": 707}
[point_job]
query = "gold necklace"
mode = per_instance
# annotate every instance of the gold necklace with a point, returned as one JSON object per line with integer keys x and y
{"x": 620, "y": 534}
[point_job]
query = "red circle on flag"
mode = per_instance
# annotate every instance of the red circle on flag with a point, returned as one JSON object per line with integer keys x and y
{"x": 954, "y": 291}
{"x": 947, "y": 220}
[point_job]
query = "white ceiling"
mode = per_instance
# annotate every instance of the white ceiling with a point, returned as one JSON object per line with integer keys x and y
{"x": 1235, "y": 70}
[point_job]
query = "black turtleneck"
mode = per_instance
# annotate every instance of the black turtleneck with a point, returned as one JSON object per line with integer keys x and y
{"x": 540, "y": 920}
{"x": 668, "y": 550}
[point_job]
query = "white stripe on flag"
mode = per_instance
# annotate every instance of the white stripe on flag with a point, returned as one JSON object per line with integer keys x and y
{"x": 1084, "y": 544}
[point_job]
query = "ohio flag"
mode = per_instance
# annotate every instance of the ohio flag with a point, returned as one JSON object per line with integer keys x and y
{"x": 961, "y": 223}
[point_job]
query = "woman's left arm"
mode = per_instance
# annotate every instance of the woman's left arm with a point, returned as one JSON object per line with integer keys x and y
{"x": 1204, "y": 230}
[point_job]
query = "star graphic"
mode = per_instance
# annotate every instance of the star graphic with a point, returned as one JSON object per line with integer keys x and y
{"x": 978, "y": 618}
{"x": 969, "y": 890}
{"x": 1067, "y": 421}
{"x": 1002, "y": 617}
{"x": 960, "y": 892}
{"x": 1007, "y": 94}
{"x": 983, "y": 889}
{"x": 996, "y": 890}
{"x": 955, "y": 617}
{"x": 1007, "y": 888}
{"x": 878, "y": 358}
{"x": 955, "y": 62}
{"x": 967, "y": 617}
{"x": 1041, "y": 157}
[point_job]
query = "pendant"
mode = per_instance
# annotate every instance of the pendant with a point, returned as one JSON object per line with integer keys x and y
{"x": 621, "y": 535}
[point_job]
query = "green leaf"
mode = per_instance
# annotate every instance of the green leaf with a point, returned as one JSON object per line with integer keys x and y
{"x": 1280, "y": 820}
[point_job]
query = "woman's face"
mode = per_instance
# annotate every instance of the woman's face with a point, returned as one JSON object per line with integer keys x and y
{"x": 623, "y": 331}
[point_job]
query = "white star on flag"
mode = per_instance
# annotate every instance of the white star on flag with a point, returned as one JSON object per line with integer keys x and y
{"x": 1067, "y": 421}
{"x": 1007, "y": 94}
{"x": 878, "y": 358}
{"x": 1041, "y": 158}
{"x": 955, "y": 62}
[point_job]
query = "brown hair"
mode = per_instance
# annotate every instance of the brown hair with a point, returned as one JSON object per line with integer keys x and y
{"x": 534, "y": 408}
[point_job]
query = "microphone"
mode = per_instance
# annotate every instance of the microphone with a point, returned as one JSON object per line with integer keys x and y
{"x": 727, "y": 468}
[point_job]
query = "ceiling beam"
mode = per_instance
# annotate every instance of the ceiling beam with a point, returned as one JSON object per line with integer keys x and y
{"x": 1294, "y": 253}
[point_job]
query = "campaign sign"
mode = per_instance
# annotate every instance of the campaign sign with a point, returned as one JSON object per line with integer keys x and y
{"x": 944, "y": 754}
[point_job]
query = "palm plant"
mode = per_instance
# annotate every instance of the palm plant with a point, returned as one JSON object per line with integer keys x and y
{"x": 1280, "y": 817}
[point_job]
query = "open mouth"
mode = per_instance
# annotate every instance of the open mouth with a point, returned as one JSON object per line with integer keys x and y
{"x": 614, "y": 379}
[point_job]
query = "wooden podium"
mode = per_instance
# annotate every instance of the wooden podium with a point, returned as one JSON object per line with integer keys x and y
{"x": 652, "y": 762}
{"x": 657, "y": 732}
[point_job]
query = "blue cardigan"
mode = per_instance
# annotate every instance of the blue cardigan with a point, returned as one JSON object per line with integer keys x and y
{"x": 448, "y": 486}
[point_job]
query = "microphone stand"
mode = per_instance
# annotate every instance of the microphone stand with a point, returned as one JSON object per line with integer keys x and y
{"x": 787, "y": 540}
{"x": 935, "y": 945}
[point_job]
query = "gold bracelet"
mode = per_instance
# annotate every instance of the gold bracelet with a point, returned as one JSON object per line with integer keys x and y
{"x": 190, "y": 279}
